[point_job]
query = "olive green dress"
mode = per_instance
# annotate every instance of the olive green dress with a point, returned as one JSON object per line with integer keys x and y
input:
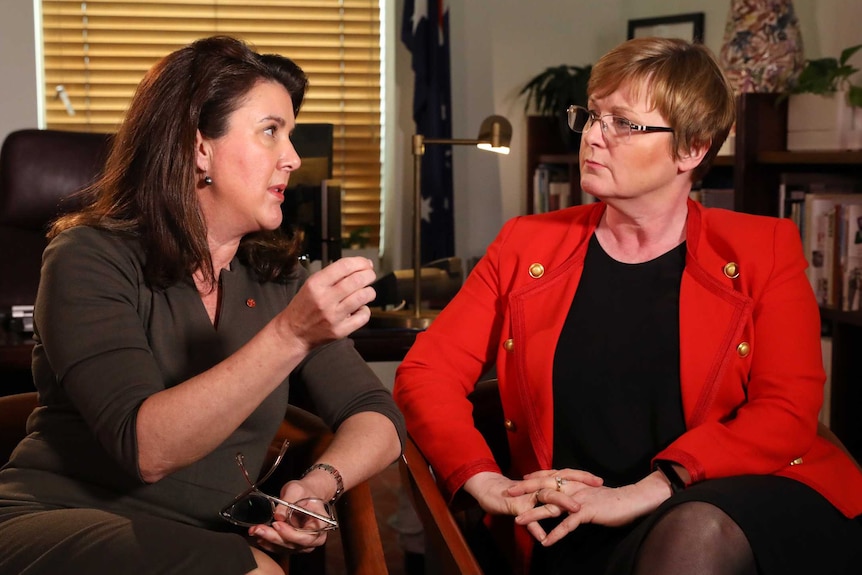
{"x": 71, "y": 497}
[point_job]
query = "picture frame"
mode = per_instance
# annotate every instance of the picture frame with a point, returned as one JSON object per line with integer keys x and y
{"x": 686, "y": 26}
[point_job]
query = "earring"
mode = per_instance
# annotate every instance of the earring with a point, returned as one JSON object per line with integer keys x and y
{"x": 208, "y": 181}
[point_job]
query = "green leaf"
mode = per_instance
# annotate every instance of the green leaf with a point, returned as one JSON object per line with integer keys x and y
{"x": 555, "y": 88}
{"x": 826, "y": 75}
{"x": 848, "y": 52}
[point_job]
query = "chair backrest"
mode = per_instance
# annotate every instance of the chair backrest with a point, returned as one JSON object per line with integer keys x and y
{"x": 14, "y": 411}
{"x": 40, "y": 171}
{"x": 447, "y": 543}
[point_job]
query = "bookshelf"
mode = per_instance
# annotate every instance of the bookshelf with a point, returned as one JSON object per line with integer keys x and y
{"x": 545, "y": 146}
{"x": 760, "y": 157}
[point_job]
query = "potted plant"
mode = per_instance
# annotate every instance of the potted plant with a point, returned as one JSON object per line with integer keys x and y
{"x": 825, "y": 107}
{"x": 553, "y": 90}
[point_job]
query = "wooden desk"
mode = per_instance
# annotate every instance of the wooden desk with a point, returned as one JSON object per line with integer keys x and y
{"x": 372, "y": 345}
{"x": 15, "y": 376}
{"x": 384, "y": 344}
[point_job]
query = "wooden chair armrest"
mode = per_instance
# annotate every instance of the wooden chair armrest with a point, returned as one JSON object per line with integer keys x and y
{"x": 360, "y": 536}
{"x": 443, "y": 535}
{"x": 309, "y": 437}
{"x": 304, "y": 430}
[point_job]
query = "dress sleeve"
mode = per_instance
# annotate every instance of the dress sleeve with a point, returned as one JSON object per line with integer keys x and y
{"x": 339, "y": 384}
{"x": 92, "y": 350}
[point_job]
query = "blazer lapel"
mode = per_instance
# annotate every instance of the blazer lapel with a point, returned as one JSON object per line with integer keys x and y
{"x": 713, "y": 316}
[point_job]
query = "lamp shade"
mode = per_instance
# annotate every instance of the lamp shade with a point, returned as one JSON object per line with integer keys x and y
{"x": 495, "y": 134}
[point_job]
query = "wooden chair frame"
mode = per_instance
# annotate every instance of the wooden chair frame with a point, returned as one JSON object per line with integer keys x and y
{"x": 444, "y": 536}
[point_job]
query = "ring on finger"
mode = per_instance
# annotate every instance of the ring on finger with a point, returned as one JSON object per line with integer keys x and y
{"x": 560, "y": 482}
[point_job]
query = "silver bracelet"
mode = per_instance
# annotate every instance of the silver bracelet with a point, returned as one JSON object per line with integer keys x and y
{"x": 339, "y": 484}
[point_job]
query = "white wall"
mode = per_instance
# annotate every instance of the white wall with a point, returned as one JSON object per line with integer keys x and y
{"x": 494, "y": 53}
{"x": 18, "y": 92}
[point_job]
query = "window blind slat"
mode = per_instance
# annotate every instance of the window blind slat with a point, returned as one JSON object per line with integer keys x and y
{"x": 99, "y": 51}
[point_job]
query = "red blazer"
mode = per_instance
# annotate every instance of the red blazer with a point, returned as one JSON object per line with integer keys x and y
{"x": 751, "y": 368}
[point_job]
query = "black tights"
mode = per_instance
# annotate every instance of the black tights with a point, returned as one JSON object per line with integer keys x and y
{"x": 695, "y": 538}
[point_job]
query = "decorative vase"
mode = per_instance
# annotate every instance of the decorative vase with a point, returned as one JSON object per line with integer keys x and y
{"x": 762, "y": 49}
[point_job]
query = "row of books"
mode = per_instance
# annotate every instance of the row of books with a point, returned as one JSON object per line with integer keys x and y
{"x": 552, "y": 189}
{"x": 713, "y": 197}
{"x": 827, "y": 209}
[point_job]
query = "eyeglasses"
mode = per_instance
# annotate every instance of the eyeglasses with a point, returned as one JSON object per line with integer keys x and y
{"x": 619, "y": 129}
{"x": 254, "y": 507}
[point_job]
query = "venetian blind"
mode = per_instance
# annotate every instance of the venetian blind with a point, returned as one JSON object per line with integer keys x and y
{"x": 98, "y": 51}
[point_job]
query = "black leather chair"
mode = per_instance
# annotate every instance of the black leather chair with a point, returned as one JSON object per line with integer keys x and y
{"x": 40, "y": 171}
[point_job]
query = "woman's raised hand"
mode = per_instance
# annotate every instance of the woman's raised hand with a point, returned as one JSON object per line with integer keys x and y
{"x": 332, "y": 304}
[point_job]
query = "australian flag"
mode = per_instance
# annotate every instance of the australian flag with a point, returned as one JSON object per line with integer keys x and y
{"x": 425, "y": 32}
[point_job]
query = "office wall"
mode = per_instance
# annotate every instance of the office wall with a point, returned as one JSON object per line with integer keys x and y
{"x": 18, "y": 94}
{"x": 494, "y": 51}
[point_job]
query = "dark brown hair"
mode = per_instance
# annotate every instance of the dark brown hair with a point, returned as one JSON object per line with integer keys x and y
{"x": 148, "y": 186}
{"x": 683, "y": 81}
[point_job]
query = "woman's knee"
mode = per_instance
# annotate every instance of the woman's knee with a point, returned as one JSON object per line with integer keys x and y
{"x": 698, "y": 522}
{"x": 694, "y": 538}
{"x": 265, "y": 564}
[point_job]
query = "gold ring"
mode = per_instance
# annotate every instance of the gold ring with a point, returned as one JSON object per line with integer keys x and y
{"x": 560, "y": 482}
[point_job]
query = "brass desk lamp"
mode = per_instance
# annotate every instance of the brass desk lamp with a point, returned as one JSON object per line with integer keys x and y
{"x": 495, "y": 134}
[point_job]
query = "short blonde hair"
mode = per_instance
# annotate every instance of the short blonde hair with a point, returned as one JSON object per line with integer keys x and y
{"x": 683, "y": 82}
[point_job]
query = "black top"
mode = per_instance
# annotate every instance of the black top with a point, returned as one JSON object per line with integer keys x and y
{"x": 616, "y": 369}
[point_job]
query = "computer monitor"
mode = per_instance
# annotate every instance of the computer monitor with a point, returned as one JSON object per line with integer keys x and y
{"x": 312, "y": 202}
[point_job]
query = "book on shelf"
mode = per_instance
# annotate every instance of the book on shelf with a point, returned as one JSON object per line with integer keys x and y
{"x": 541, "y": 181}
{"x": 587, "y": 198}
{"x": 825, "y": 416}
{"x": 817, "y": 203}
{"x": 717, "y": 198}
{"x": 793, "y": 186}
{"x": 817, "y": 243}
{"x": 851, "y": 254}
{"x": 551, "y": 188}
{"x": 822, "y": 241}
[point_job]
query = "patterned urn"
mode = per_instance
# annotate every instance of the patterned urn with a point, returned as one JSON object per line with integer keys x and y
{"x": 762, "y": 49}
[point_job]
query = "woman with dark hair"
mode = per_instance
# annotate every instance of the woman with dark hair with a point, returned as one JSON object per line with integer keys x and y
{"x": 171, "y": 316}
{"x": 659, "y": 362}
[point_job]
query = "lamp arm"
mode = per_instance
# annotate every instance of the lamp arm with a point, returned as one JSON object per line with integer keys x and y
{"x": 419, "y": 141}
{"x": 418, "y": 152}
{"x": 454, "y": 141}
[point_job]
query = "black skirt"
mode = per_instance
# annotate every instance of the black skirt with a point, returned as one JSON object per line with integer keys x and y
{"x": 792, "y": 529}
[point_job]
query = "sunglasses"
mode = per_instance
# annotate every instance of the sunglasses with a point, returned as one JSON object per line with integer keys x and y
{"x": 254, "y": 507}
